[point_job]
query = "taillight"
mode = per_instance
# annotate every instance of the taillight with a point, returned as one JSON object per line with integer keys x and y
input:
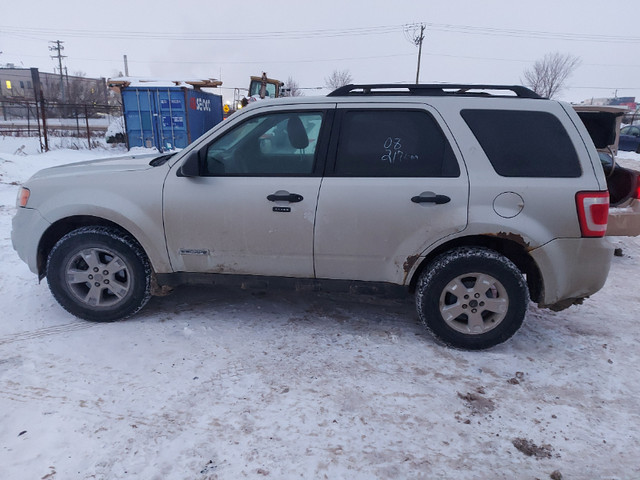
{"x": 637, "y": 194}
{"x": 593, "y": 213}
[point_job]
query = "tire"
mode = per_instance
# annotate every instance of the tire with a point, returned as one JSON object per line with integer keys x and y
{"x": 472, "y": 298}
{"x": 99, "y": 274}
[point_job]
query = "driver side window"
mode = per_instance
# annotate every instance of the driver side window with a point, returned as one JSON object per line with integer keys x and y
{"x": 276, "y": 144}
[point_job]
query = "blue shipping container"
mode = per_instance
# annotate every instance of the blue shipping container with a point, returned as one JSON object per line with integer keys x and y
{"x": 168, "y": 117}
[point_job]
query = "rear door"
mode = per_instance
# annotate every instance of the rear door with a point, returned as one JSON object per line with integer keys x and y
{"x": 394, "y": 185}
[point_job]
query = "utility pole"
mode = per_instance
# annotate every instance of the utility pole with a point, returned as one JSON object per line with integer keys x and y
{"x": 126, "y": 66}
{"x": 39, "y": 99}
{"x": 415, "y": 37}
{"x": 57, "y": 47}
{"x": 419, "y": 40}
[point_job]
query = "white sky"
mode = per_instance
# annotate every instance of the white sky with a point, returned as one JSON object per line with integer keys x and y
{"x": 466, "y": 41}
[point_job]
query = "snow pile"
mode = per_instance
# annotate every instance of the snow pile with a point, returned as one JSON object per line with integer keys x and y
{"x": 222, "y": 383}
{"x": 628, "y": 159}
{"x": 116, "y": 126}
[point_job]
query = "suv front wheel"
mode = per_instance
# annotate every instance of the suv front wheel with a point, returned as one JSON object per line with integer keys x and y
{"x": 472, "y": 298}
{"x": 99, "y": 274}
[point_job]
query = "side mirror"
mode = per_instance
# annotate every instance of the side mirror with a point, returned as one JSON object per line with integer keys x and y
{"x": 191, "y": 165}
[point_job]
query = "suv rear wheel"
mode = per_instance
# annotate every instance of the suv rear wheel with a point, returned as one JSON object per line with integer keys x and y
{"x": 472, "y": 298}
{"x": 99, "y": 274}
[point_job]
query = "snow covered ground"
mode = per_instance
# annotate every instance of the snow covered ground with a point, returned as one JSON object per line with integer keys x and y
{"x": 222, "y": 383}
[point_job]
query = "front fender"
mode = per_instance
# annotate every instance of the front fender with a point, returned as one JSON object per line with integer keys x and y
{"x": 131, "y": 200}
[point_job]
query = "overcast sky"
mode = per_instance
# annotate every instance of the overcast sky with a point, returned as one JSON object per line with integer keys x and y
{"x": 466, "y": 41}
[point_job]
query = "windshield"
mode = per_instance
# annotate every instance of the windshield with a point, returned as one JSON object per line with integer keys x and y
{"x": 255, "y": 89}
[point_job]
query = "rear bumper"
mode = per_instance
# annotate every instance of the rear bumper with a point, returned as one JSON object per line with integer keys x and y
{"x": 572, "y": 268}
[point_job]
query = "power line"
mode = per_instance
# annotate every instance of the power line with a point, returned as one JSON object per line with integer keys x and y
{"x": 315, "y": 60}
{"x": 233, "y": 62}
{"x": 317, "y": 33}
{"x": 474, "y": 30}
{"x": 203, "y": 36}
{"x": 604, "y": 88}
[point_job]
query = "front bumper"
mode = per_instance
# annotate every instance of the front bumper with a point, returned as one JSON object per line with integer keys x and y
{"x": 27, "y": 228}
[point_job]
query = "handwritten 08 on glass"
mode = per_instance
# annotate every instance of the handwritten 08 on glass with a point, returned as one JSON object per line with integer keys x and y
{"x": 393, "y": 151}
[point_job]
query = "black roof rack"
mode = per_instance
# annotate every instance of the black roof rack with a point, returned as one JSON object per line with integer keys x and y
{"x": 431, "y": 90}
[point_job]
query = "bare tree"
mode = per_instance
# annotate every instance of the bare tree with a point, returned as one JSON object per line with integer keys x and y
{"x": 337, "y": 79}
{"x": 548, "y": 75}
{"x": 292, "y": 88}
{"x": 78, "y": 89}
{"x": 83, "y": 90}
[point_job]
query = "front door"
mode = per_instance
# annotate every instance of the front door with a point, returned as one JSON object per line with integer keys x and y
{"x": 252, "y": 209}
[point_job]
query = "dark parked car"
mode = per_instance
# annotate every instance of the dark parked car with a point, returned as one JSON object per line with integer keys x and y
{"x": 630, "y": 138}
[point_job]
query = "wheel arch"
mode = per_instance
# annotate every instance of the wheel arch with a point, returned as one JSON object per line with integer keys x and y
{"x": 63, "y": 226}
{"x": 512, "y": 248}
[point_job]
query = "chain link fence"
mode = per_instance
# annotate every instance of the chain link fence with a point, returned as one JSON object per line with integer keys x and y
{"x": 81, "y": 125}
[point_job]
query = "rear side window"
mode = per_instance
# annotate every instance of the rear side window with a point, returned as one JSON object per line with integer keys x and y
{"x": 524, "y": 143}
{"x": 393, "y": 143}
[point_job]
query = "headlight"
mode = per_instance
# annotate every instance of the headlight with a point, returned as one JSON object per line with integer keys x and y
{"x": 23, "y": 196}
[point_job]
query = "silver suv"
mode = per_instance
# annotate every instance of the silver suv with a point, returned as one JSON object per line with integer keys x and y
{"x": 475, "y": 198}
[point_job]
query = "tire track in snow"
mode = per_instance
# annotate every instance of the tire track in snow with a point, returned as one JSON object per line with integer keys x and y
{"x": 92, "y": 408}
{"x": 45, "y": 332}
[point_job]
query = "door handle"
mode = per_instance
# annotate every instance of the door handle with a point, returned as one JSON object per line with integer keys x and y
{"x": 285, "y": 197}
{"x": 430, "y": 197}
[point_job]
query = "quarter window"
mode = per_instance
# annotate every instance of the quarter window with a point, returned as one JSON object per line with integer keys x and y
{"x": 273, "y": 144}
{"x": 524, "y": 143}
{"x": 393, "y": 143}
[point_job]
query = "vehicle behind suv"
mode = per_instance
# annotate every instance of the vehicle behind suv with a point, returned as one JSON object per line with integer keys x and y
{"x": 475, "y": 198}
{"x": 630, "y": 138}
{"x": 603, "y": 125}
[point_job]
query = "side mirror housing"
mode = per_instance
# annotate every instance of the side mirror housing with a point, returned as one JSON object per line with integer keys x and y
{"x": 191, "y": 165}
